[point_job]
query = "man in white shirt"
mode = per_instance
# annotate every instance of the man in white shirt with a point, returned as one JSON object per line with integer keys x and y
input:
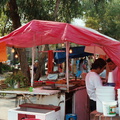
{"x": 93, "y": 81}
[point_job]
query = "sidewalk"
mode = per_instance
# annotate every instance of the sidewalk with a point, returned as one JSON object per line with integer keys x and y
{"x": 8, "y": 102}
{"x": 5, "y": 104}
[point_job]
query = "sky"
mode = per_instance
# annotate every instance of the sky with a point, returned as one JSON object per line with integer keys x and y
{"x": 78, "y": 22}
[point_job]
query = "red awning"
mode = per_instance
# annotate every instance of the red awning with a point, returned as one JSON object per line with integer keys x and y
{"x": 39, "y": 32}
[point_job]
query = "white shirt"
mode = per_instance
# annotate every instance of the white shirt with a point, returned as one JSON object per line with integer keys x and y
{"x": 92, "y": 81}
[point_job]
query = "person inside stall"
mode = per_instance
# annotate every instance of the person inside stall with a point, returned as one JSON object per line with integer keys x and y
{"x": 93, "y": 80}
{"x": 82, "y": 66}
{"x": 113, "y": 68}
{"x": 35, "y": 66}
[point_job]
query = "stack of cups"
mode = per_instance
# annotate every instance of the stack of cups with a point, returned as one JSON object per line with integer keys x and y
{"x": 110, "y": 77}
{"x": 110, "y": 80}
{"x": 118, "y": 94}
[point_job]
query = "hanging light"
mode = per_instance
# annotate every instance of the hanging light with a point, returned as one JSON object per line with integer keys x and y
{"x": 12, "y": 50}
{"x": 70, "y": 51}
{"x": 63, "y": 45}
{"x": 16, "y": 55}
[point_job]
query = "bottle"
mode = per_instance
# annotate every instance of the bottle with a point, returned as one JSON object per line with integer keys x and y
{"x": 30, "y": 89}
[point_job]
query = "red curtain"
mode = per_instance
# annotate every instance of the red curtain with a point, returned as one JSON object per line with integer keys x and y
{"x": 50, "y": 61}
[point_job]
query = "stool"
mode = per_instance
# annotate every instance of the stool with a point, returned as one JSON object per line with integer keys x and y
{"x": 71, "y": 117}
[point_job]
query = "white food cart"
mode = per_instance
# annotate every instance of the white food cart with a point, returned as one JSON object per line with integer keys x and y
{"x": 76, "y": 101}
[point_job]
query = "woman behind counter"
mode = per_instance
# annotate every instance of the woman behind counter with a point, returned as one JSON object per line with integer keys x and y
{"x": 93, "y": 81}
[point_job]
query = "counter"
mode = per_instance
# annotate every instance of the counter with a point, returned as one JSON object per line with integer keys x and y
{"x": 40, "y": 92}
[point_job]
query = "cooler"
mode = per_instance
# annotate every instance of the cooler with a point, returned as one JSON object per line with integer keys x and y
{"x": 36, "y": 111}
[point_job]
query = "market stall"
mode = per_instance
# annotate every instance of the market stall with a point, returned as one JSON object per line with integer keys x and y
{"x": 39, "y": 32}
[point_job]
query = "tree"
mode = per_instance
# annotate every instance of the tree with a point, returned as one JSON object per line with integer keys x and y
{"x": 16, "y": 23}
{"x": 5, "y": 24}
{"x": 112, "y": 20}
{"x": 103, "y": 15}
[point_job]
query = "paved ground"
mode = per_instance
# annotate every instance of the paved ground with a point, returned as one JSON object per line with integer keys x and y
{"x": 6, "y": 103}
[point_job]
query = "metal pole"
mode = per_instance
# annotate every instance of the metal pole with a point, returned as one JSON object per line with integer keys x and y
{"x": 67, "y": 64}
{"x": 32, "y": 74}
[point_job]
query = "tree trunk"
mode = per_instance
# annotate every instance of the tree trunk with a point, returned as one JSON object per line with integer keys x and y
{"x": 56, "y": 8}
{"x": 16, "y": 23}
{"x": 23, "y": 62}
{"x": 41, "y": 63}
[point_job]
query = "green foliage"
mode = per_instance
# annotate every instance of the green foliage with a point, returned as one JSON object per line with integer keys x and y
{"x": 104, "y": 16}
{"x": 6, "y": 68}
{"x": 13, "y": 79}
{"x": 5, "y": 22}
{"x": 55, "y": 10}
{"x": 5, "y": 25}
{"x": 30, "y": 61}
{"x": 112, "y": 20}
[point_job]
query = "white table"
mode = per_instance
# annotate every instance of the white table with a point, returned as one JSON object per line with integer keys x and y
{"x": 26, "y": 94}
{"x": 37, "y": 92}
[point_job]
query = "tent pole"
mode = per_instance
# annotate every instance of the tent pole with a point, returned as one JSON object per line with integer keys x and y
{"x": 94, "y": 54}
{"x": 67, "y": 64}
{"x": 32, "y": 74}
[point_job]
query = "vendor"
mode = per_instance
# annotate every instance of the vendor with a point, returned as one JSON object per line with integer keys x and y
{"x": 93, "y": 81}
{"x": 35, "y": 66}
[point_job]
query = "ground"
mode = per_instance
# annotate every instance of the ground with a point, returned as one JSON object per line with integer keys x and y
{"x": 5, "y": 104}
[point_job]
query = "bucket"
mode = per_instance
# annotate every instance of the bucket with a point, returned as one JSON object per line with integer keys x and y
{"x": 109, "y": 108}
{"x": 105, "y": 89}
{"x": 104, "y": 93}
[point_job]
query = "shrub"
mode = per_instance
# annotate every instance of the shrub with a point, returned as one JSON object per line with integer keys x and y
{"x": 16, "y": 78}
{"x": 6, "y": 68}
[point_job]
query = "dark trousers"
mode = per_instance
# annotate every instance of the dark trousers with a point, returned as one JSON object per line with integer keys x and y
{"x": 92, "y": 105}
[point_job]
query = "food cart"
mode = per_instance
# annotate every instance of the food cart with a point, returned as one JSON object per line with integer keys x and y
{"x": 76, "y": 101}
{"x": 39, "y": 32}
